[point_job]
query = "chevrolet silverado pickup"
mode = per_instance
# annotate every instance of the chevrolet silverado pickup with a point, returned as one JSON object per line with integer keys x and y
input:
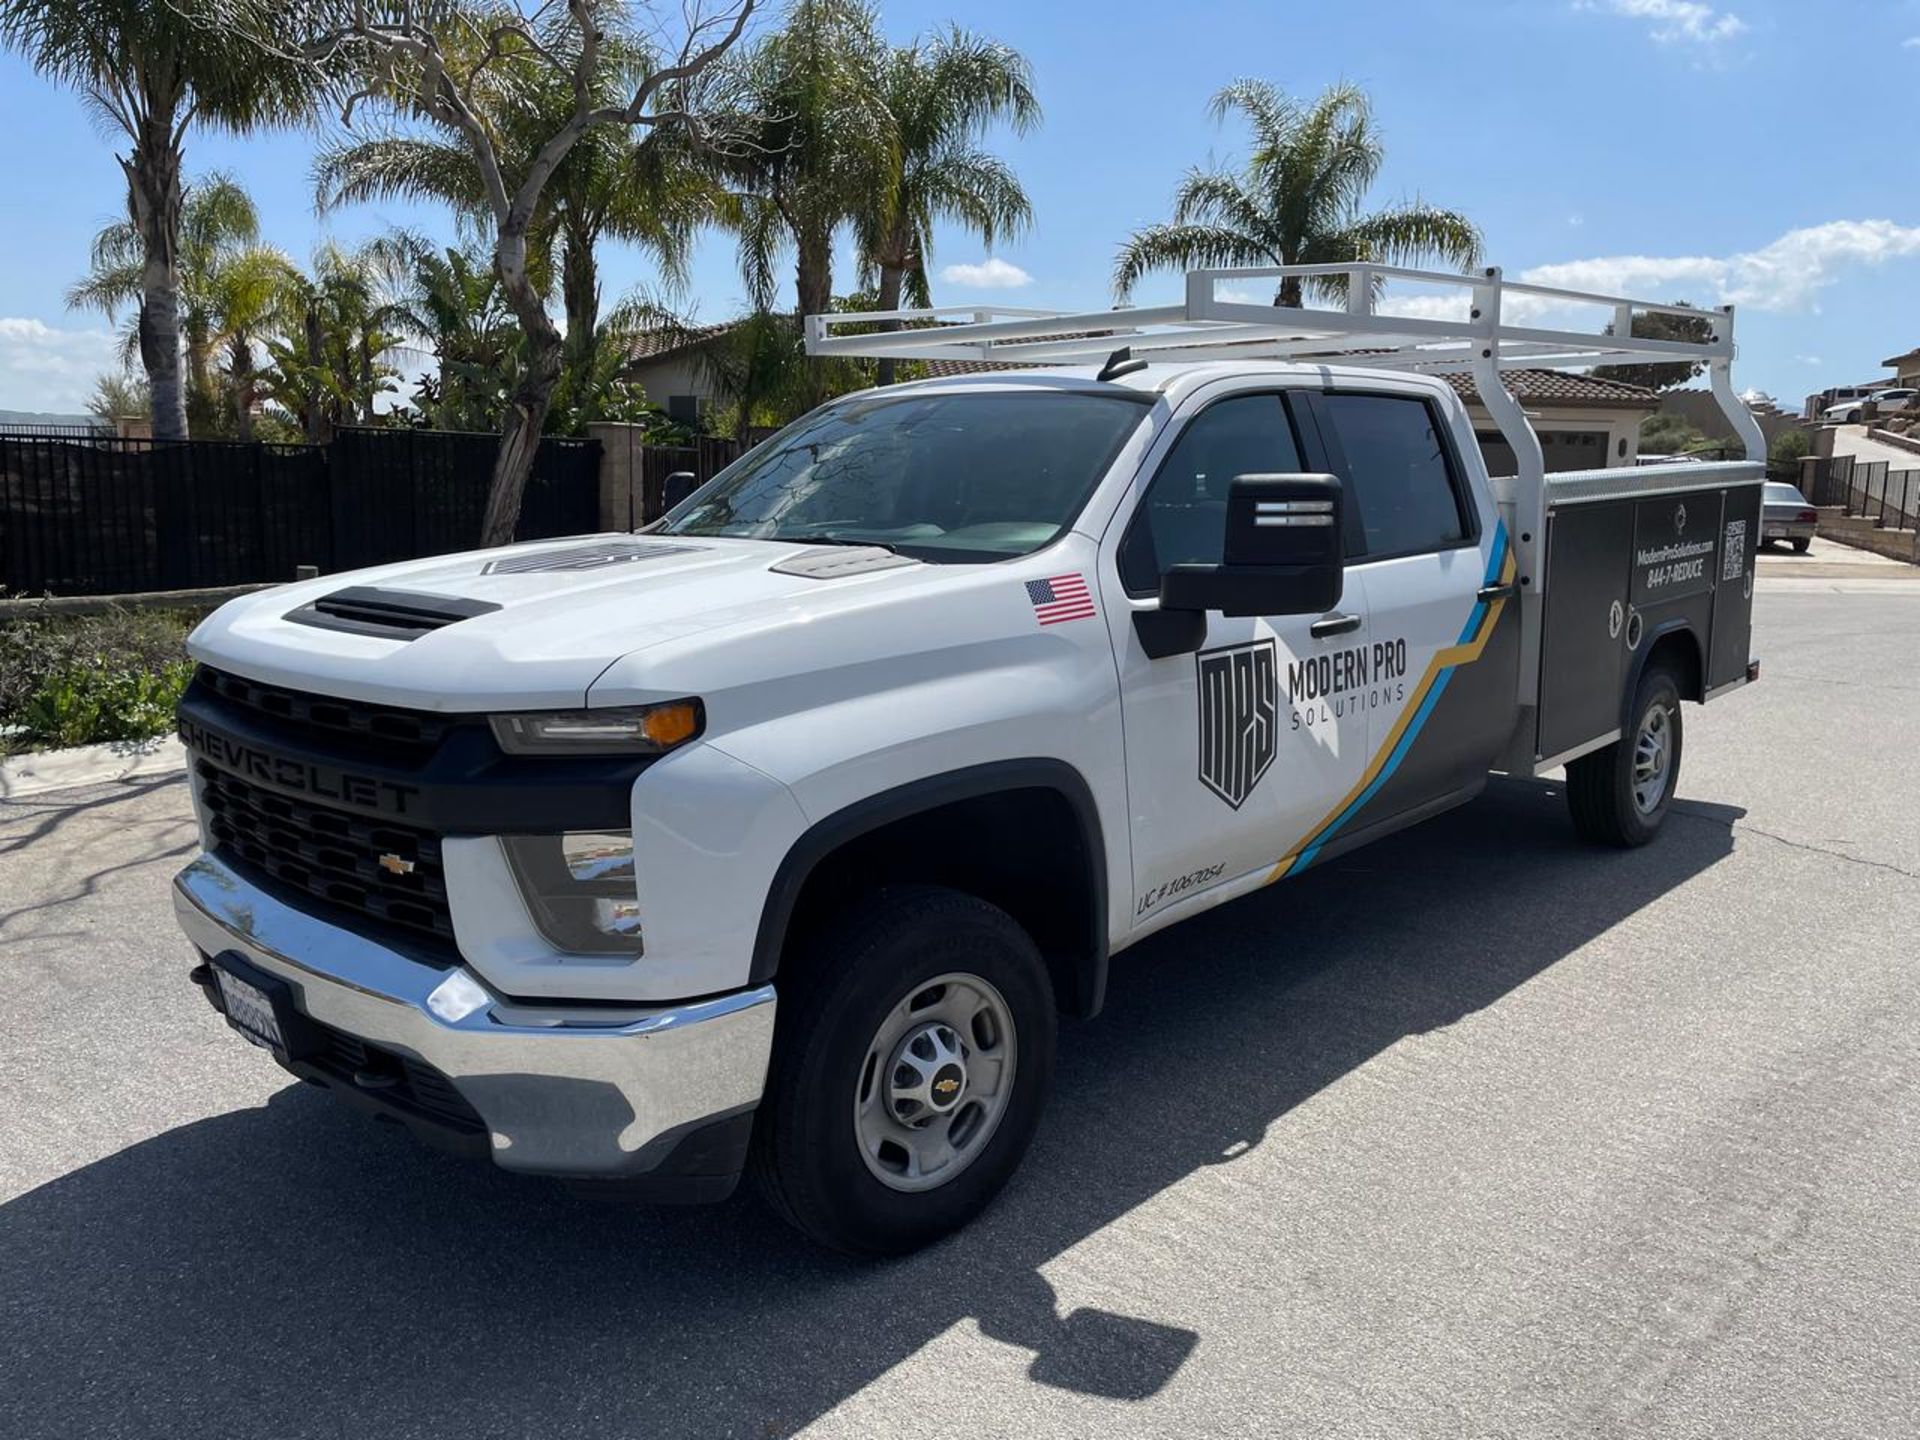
{"x": 776, "y": 837}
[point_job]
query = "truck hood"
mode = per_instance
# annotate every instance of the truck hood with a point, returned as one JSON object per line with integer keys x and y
{"x": 533, "y": 625}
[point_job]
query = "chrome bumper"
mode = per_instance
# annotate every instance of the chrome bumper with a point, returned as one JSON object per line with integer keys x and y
{"x": 564, "y": 1090}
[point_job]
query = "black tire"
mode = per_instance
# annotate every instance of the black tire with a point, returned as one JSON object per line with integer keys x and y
{"x": 1802, "y": 545}
{"x": 806, "y": 1158}
{"x": 1600, "y": 789}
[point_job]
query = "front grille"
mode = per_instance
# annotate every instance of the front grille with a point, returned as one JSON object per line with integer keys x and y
{"x": 332, "y": 855}
{"x": 396, "y": 1078}
{"x": 391, "y": 728}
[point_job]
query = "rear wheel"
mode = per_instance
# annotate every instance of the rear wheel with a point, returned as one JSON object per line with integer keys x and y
{"x": 1803, "y": 544}
{"x": 909, "y": 1071}
{"x": 1620, "y": 795}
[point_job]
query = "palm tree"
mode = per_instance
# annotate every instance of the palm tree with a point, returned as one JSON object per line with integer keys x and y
{"x": 249, "y": 295}
{"x": 336, "y": 325}
{"x": 820, "y": 149}
{"x": 1297, "y": 201}
{"x": 216, "y": 249}
{"x": 941, "y": 94}
{"x": 150, "y": 71}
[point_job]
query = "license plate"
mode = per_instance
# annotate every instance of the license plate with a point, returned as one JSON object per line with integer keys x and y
{"x": 251, "y": 1010}
{"x": 1776, "y": 532}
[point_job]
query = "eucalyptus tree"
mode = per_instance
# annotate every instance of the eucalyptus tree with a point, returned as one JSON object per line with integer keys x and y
{"x": 1299, "y": 199}
{"x": 451, "y": 66}
{"x": 648, "y": 190}
{"x": 151, "y": 70}
{"x": 941, "y": 95}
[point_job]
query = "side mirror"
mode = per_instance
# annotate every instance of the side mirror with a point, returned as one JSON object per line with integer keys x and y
{"x": 677, "y": 486}
{"x": 1285, "y": 554}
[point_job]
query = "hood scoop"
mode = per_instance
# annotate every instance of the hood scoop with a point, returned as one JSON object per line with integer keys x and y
{"x": 832, "y": 562}
{"x": 388, "y": 614}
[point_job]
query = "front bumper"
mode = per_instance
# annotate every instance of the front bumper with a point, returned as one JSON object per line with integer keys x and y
{"x": 588, "y": 1092}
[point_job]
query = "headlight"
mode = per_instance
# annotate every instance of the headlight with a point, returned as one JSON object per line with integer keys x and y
{"x": 625, "y": 730}
{"x": 580, "y": 889}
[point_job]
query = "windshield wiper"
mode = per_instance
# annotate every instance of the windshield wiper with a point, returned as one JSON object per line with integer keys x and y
{"x": 834, "y": 540}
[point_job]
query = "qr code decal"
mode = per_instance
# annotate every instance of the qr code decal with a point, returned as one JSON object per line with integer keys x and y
{"x": 1733, "y": 562}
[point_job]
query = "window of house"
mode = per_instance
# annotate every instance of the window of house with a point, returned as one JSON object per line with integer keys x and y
{"x": 1183, "y": 519}
{"x": 1399, "y": 472}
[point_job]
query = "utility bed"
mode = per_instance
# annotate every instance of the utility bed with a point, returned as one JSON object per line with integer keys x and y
{"x": 1632, "y": 554}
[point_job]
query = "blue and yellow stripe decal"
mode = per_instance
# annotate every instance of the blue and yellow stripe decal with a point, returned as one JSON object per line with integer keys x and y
{"x": 1474, "y": 635}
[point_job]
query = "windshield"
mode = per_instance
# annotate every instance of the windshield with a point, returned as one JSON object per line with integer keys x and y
{"x": 1777, "y": 493}
{"x": 967, "y": 476}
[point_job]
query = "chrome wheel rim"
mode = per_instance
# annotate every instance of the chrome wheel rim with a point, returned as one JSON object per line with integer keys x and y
{"x": 1652, "y": 759}
{"x": 935, "y": 1082}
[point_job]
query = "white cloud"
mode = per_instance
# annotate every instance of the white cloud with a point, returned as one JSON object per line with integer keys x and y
{"x": 1785, "y": 274}
{"x": 1810, "y": 360}
{"x": 1912, "y": 42}
{"x": 993, "y": 273}
{"x": 44, "y": 368}
{"x": 1678, "y": 21}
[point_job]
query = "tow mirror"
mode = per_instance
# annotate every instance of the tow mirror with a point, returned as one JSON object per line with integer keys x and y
{"x": 1285, "y": 554}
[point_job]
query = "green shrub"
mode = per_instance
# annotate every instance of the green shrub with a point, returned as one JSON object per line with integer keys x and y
{"x": 1788, "y": 449}
{"x": 82, "y": 706}
{"x": 74, "y": 680}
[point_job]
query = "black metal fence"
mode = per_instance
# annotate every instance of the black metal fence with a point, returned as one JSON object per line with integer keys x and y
{"x": 101, "y": 516}
{"x": 1868, "y": 489}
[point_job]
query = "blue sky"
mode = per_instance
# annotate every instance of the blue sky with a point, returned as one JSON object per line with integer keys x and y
{"x": 1679, "y": 149}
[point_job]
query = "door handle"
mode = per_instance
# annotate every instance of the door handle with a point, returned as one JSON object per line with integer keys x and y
{"x": 1334, "y": 624}
{"x": 1487, "y": 594}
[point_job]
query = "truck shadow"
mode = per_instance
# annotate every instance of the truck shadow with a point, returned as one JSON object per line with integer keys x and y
{"x": 295, "y": 1270}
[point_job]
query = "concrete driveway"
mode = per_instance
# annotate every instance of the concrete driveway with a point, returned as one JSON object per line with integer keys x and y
{"x": 1475, "y": 1132}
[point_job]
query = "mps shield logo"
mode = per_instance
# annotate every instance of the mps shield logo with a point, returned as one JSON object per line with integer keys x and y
{"x": 1239, "y": 717}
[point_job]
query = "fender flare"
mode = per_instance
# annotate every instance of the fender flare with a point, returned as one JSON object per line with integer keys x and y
{"x": 1082, "y": 982}
{"x": 1649, "y": 642}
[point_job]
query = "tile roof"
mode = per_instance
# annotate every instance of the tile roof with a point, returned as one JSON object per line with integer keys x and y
{"x": 1563, "y": 387}
{"x": 668, "y": 339}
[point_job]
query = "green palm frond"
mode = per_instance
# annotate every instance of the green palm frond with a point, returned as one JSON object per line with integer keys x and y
{"x": 1298, "y": 198}
{"x": 1184, "y": 247}
{"x": 1410, "y": 232}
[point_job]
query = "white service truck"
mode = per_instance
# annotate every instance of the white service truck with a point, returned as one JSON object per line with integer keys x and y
{"x": 776, "y": 837}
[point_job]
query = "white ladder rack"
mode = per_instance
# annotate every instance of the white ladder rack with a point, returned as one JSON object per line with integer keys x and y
{"x": 1465, "y": 328}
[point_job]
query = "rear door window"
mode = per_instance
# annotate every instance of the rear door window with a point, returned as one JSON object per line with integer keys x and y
{"x": 1400, "y": 472}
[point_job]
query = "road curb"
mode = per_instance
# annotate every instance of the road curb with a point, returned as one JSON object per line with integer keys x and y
{"x": 39, "y": 771}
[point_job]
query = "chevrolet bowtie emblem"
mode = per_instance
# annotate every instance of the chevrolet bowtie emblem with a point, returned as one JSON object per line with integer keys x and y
{"x": 946, "y": 1087}
{"x": 396, "y": 864}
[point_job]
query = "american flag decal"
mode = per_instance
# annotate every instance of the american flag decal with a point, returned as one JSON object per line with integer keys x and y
{"x": 1060, "y": 598}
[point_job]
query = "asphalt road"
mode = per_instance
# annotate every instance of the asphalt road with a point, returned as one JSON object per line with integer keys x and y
{"x": 1473, "y": 1133}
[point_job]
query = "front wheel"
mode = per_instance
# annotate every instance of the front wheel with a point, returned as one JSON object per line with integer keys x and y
{"x": 1619, "y": 795}
{"x": 909, "y": 1071}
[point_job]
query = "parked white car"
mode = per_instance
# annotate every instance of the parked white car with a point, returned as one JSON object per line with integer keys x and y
{"x": 1851, "y": 412}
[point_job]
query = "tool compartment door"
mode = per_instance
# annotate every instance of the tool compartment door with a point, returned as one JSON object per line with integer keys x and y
{"x": 1582, "y": 652}
{"x": 1732, "y": 640}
